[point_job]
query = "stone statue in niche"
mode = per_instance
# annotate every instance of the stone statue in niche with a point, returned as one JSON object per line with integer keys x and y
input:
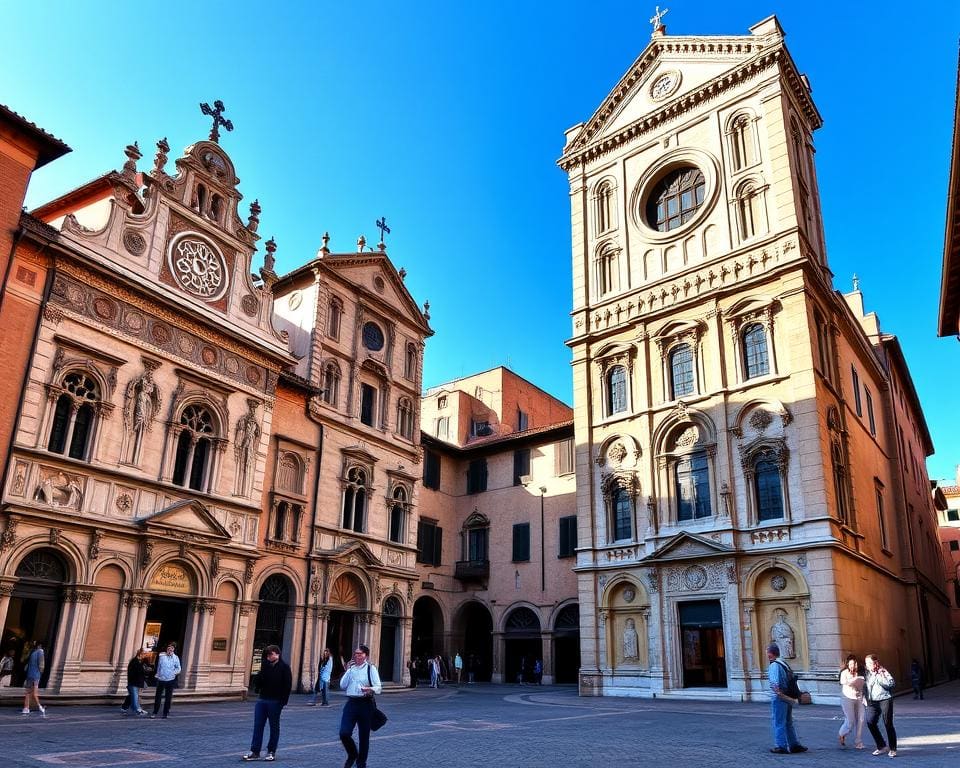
{"x": 631, "y": 644}
{"x": 143, "y": 402}
{"x": 59, "y": 490}
{"x": 782, "y": 635}
{"x": 247, "y": 439}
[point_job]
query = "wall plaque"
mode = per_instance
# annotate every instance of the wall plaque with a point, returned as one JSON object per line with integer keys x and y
{"x": 171, "y": 578}
{"x": 219, "y": 644}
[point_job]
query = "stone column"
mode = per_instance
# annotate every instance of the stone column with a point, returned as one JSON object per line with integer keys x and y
{"x": 405, "y": 627}
{"x": 6, "y": 590}
{"x": 496, "y": 672}
{"x": 246, "y": 618}
{"x": 71, "y": 635}
{"x": 546, "y": 641}
{"x": 192, "y": 641}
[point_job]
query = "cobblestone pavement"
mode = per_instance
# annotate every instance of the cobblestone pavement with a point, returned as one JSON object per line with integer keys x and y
{"x": 477, "y": 726}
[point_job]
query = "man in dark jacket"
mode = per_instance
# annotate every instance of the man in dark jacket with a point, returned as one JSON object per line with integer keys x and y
{"x": 274, "y": 682}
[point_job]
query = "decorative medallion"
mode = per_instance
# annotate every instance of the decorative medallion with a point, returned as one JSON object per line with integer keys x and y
{"x": 295, "y": 300}
{"x": 208, "y": 355}
{"x": 253, "y": 374}
{"x": 75, "y": 296}
{"x": 665, "y": 85}
{"x": 232, "y": 364}
{"x": 124, "y": 502}
{"x": 617, "y": 453}
{"x": 104, "y": 309}
{"x": 760, "y": 420}
{"x": 161, "y": 334}
{"x": 778, "y": 582}
{"x": 690, "y": 436}
{"x": 198, "y": 268}
{"x": 134, "y": 242}
{"x": 186, "y": 344}
{"x": 695, "y": 577}
{"x": 379, "y": 284}
{"x": 250, "y": 305}
{"x": 134, "y": 321}
{"x": 629, "y": 594}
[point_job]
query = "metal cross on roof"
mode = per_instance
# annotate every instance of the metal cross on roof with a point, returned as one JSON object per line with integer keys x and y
{"x": 657, "y": 16}
{"x": 382, "y": 226}
{"x": 217, "y": 114}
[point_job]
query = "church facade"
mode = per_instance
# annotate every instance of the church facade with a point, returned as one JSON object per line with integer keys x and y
{"x": 750, "y": 447}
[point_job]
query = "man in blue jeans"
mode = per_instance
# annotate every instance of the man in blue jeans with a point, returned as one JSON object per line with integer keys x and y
{"x": 781, "y": 705}
{"x": 274, "y": 681}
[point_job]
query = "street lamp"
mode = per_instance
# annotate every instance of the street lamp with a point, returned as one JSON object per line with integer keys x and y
{"x": 527, "y": 481}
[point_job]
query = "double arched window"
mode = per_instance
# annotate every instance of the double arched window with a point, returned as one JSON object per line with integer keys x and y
{"x": 604, "y": 197}
{"x": 196, "y": 431}
{"x": 398, "y": 514}
{"x": 331, "y": 383}
{"x": 750, "y": 214}
{"x": 355, "y": 500}
{"x": 405, "y": 418}
{"x": 75, "y": 416}
{"x": 608, "y": 270}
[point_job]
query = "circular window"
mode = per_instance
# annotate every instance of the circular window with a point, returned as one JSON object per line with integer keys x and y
{"x": 198, "y": 268}
{"x": 675, "y": 199}
{"x": 372, "y": 337}
{"x": 296, "y": 298}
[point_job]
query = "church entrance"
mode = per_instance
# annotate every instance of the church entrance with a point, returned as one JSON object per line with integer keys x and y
{"x": 271, "y": 619}
{"x": 702, "y": 649}
{"x": 566, "y": 645}
{"x": 388, "y": 663}
{"x": 522, "y": 646}
{"x": 166, "y": 622}
{"x": 340, "y": 640}
{"x": 34, "y": 610}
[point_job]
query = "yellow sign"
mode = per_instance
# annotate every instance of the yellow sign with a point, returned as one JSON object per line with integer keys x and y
{"x": 172, "y": 578}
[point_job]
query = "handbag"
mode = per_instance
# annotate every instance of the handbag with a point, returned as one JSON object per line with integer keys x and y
{"x": 377, "y": 718}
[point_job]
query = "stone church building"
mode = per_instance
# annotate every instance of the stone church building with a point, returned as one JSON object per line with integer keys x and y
{"x": 750, "y": 446}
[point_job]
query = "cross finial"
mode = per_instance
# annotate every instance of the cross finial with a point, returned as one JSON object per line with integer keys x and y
{"x": 217, "y": 114}
{"x": 657, "y": 19}
{"x": 382, "y": 226}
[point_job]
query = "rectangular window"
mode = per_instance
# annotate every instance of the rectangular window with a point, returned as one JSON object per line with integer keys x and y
{"x": 693, "y": 488}
{"x": 368, "y": 397}
{"x": 522, "y": 421}
{"x": 479, "y": 428}
{"x": 442, "y": 401}
{"x": 880, "y": 516}
{"x": 870, "y": 417}
{"x": 521, "y": 542}
{"x": 564, "y": 456}
{"x": 443, "y": 428}
{"x": 856, "y": 390}
{"x": 953, "y": 515}
{"x": 954, "y": 546}
{"x": 521, "y": 465}
{"x": 429, "y": 542}
{"x": 431, "y": 470}
{"x": 477, "y": 540}
{"x": 477, "y": 476}
{"x": 568, "y": 536}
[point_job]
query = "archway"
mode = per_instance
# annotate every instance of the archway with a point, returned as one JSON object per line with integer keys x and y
{"x": 390, "y": 651}
{"x": 427, "y": 634}
{"x": 34, "y": 611}
{"x": 566, "y": 644}
{"x": 346, "y": 598}
{"x": 474, "y": 626}
{"x": 522, "y": 645}
{"x": 272, "y": 615}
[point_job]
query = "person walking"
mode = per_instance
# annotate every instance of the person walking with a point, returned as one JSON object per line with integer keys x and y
{"x": 458, "y": 666}
{"x": 324, "y": 671}
{"x": 136, "y": 679}
{"x": 7, "y": 664}
{"x": 168, "y": 667}
{"x": 878, "y": 688}
{"x": 781, "y": 705}
{"x": 434, "y": 671}
{"x": 361, "y": 681}
{"x": 274, "y": 681}
{"x": 851, "y": 692}
{"x": 916, "y": 679}
{"x": 31, "y": 684}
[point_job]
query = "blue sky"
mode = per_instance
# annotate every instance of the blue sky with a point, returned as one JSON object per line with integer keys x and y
{"x": 448, "y": 119}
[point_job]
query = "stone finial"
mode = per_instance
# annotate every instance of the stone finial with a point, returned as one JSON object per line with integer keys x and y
{"x": 269, "y": 259}
{"x": 361, "y": 243}
{"x": 325, "y": 248}
{"x": 133, "y": 154}
{"x": 426, "y": 310}
{"x": 381, "y": 246}
{"x": 856, "y": 282}
{"x": 403, "y": 273}
{"x": 161, "y": 159}
{"x": 254, "y": 221}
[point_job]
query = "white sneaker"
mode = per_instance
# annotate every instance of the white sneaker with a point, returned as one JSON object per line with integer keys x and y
{"x": 43, "y": 712}
{"x": 25, "y": 711}
{"x": 892, "y": 753}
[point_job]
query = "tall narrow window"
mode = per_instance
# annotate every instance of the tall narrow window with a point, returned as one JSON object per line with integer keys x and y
{"x": 622, "y": 515}
{"x": 756, "y": 361}
{"x": 194, "y": 442}
{"x": 477, "y": 476}
{"x": 681, "y": 371}
{"x": 368, "y": 407}
{"x": 617, "y": 390}
{"x": 521, "y": 542}
{"x": 443, "y": 427}
{"x": 840, "y": 484}
{"x": 604, "y": 198}
{"x": 398, "y": 513}
{"x": 608, "y": 270}
{"x": 870, "y": 416}
{"x": 855, "y": 380}
{"x": 741, "y": 143}
{"x": 766, "y": 484}
{"x": 568, "y": 536}
{"x": 405, "y": 418}
{"x": 355, "y": 500}
{"x": 431, "y": 469}
{"x": 410, "y": 363}
{"x": 334, "y": 315}
{"x": 521, "y": 465}
{"x": 429, "y": 542}
{"x": 564, "y": 456}
{"x": 331, "y": 383}
{"x": 823, "y": 344}
{"x": 749, "y": 203}
{"x": 523, "y": 420}
{"x": 881, "y": 519}
{"x": 692, "y": 479}
{"x": 74, "y": 416}
{"x": 477, "y": 544}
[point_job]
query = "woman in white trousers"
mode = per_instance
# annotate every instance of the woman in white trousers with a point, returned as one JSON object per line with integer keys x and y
{"x": 854, "y": 712}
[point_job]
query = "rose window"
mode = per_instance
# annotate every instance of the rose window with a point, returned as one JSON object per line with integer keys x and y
{"x": 198, "y": 268}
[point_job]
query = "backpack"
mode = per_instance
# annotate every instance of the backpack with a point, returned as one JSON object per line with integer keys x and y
{"x": 792, "y": 688}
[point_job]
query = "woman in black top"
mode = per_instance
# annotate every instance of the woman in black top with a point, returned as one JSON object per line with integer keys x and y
{"x": 136, "y": 679}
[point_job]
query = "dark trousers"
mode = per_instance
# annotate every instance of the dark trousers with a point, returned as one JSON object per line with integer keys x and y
{"x": 357, "y": 713}
{"x": 164, "y": 691}
{"x": 875, "y": 711}
{"x": 264, "y": 710}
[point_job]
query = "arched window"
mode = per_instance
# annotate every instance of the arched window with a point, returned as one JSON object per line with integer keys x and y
{"x": 608, "y": 270}
{"x": 331, "y": 383}
{"x": 334, "y": 315}
{"x": 749, "y": 211}
{"x": 200, "y": 199}
{"x": 692, "y": 482}
{"x": 74, "y": 416}
{"x": 840, "y": 483}
{"x": 682, "y": 379}
{"x": 675, "y": 199}
{"x": 398, "y": 514}
{"x": 769, "y": 493}
{"x": 756, "y": 361}
{"x": 290, "y": 473}
{"x": 286, "y": 522}
{"x": 616, "y": 390}
{"x": 742, "y": 148}
{"x": 622, "y": 508}
{"x": 216, "y": 207}
{"x": 405, "y": 418}
{"x": 410, "y": 363}
{"x": 604, "y": 206}
{"x": 194, "y": 454}
{"x": 355, "y": 500}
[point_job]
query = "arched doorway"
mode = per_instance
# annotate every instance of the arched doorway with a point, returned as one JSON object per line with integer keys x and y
{"x": 522, "y": 645}
{"x": 275, "y": 596}
{"x": 346, "y": 599}
{"x": 474, "y": 627}
{"x": 427, "y": 633}
{"x": 566, "y": 644}
{"x": 34, "y": 610}
{"x": 390, "y": 652}
{"x": 167, "y": 615}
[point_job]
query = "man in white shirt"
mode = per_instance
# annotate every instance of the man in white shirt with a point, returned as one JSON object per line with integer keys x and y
{"x": 168, "y": 667}
{"x": 361, "y": 681}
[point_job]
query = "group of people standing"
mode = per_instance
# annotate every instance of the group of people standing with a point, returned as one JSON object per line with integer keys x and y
{"x": 866, "y": 697}
{"x": 166, "y": 672}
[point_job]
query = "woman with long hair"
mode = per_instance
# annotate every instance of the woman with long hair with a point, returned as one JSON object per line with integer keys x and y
{"x": 854, "y": 712}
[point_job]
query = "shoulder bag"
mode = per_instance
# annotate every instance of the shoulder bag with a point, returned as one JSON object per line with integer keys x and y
{"x": 378, "y": 719}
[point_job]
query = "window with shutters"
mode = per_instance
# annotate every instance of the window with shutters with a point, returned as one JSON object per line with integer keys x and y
{"x": 521, "y": 465}
{"x": 568, "y": 536}
{"x": 477, "y": 476}
{"x": 521, "y": 542}
{"x": 429, "y": 542}
{"x": 431, "y": 469}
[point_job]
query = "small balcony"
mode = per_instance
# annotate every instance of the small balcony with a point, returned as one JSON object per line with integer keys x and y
{"x": 472, "y": 570}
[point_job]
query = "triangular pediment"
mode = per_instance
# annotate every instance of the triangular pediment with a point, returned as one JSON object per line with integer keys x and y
{"x": 686, "y": 546}
{"x": 188, "y": 515}
{"x": 357, "y": 554}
